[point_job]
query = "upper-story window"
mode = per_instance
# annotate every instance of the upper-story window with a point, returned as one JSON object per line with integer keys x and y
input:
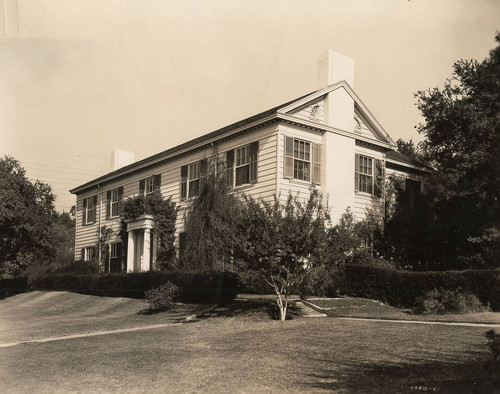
{"x": 89, "y": 210}
{"x": 150, "y": 184}
{"x": 302, "y": 160}
{"x": 241, "y": 165}
{"x": 369, "y": 175}
{"x": 191, "y": 177}
{"x": 114, "y": 199}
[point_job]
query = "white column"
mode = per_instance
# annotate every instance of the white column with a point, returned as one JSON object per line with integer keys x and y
{"x": 130, "y": 252}
{"x": 146, "y": 251}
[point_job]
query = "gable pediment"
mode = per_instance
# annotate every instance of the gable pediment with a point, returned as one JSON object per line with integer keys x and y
{"x": 313, "y": 111}
{"x": 315, "y": 107}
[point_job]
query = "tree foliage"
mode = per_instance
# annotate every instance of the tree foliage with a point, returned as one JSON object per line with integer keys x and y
{"x": 27, "y": 215}
{"x": 283, "y": 241}
{"x": 456, "y": 224}
{"x": 211, "y": 221}
{"x": 462, "y": 140}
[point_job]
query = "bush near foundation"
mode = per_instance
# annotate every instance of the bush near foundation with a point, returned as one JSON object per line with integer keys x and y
{"x": 403, "y": 288}
{"x": 194, "y": 287}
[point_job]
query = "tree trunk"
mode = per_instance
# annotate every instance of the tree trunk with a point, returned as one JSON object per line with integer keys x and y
{"x": 283, "y": 305}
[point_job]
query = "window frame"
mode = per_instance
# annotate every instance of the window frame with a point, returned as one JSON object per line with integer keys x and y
{"x": 114, "y": 202}
{"x": 372, "y": 169}
{"x": 365, "y": 173}
{"x": 89, "y": 207}
{"x": 302, "y": 160}
{"x": 89, "y": 253}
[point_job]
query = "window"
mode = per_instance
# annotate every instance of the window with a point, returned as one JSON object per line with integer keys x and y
{"x": 150, "y": 185}
{"x": 115, "y": 254}
{"x": 302, "y": 160}
{"x": 88, "y": 253}
{"x": 191, "y": 177}
{"x": 114, "y": 199}
{"x": 369, "y": 175}
{"x": 113, "y": 251}
{"x": 89, "y": 210}
{"x": 241, "y": 165}
{"x": 366, "y": 174}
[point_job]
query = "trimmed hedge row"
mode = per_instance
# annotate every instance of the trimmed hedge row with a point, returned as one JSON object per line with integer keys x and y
{"x": 10, "y": 287}
{"x": 195, "y": 287}
{"x": 402, "y": 288}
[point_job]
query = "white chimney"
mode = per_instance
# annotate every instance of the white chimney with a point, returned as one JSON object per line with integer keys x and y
{"x": 334, "y": 67}
{"x": 122, "y": 158}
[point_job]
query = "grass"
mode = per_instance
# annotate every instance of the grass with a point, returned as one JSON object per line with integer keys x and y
{"x": 239, "y": 348}
{"x": 43, "y": 314}
{"x": 365, "y": 308}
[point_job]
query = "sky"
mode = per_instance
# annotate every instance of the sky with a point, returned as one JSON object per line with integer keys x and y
{"x": 81, "y": 78}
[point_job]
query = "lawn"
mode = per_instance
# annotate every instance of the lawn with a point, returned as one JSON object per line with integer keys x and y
{"x": 365, "y": 308}
{"x": 240, "y": 349}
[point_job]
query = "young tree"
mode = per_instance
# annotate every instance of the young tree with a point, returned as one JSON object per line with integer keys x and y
{"x": 282, "y": 242}
{"x": 462, "y": 141}
{"x": 210, "y": 227}
{"x": 27, "y": 215}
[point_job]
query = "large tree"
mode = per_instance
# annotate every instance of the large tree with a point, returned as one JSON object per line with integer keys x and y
{"x": 27, "y": 216}
{"x": 460, "y": 216}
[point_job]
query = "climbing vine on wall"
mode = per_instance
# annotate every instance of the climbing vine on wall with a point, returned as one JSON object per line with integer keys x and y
{"x": 164, "y": 212}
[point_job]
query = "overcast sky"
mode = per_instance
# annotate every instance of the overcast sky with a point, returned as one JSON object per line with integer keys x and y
{"x": 80, "y": 78}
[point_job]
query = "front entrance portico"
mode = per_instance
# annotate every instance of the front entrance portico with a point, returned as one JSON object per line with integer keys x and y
{"x": 140, "y": 246}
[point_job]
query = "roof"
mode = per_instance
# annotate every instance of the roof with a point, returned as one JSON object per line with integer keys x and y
{"x": 401, "y": 159}
{"x": 186, "y": 145}
{"x": 273, "y": 114}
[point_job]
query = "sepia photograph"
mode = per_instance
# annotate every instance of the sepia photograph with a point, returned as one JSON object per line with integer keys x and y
{"x": 251, "y": 196}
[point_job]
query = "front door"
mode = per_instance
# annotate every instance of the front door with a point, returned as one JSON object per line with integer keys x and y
{"x": 138, "y": 249}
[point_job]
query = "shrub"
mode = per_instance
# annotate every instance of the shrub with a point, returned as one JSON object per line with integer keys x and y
{"x": 163, "y": 297}
{"x": 442, "y": 302}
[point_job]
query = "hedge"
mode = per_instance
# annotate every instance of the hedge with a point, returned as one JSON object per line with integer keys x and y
{"x": 10, "y": 287}
{"x": 402, "y": 288}
{"x": 195, "y": 287}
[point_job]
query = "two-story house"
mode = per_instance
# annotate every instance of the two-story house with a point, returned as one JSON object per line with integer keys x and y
{"x": 327, "y": 139}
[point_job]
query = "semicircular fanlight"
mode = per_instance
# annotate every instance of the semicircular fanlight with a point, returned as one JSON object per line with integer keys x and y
{"x": 357, "y": 126}
{"x": 314, "y": 111}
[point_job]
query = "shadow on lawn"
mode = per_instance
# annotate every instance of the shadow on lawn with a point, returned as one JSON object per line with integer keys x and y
{"x": 265, "y": 308}
{"x": 471, "y": 374}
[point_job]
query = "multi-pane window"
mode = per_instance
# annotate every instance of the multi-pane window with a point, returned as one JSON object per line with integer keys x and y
{"x": 191, "y": 178}
{"x": 194, "y": 179}
{"x": 302, "y": 160}
{"x": 89, "y": 253}
{"x": 114, "y": 200}
{"x": 89, "y": 210}
{"x": 113, "y": 251}
{"x": 366, "y": 174}
{"x": 150, "y": 184}
{"x": 369, "y": 175}
{"x": 242, "y": 165}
